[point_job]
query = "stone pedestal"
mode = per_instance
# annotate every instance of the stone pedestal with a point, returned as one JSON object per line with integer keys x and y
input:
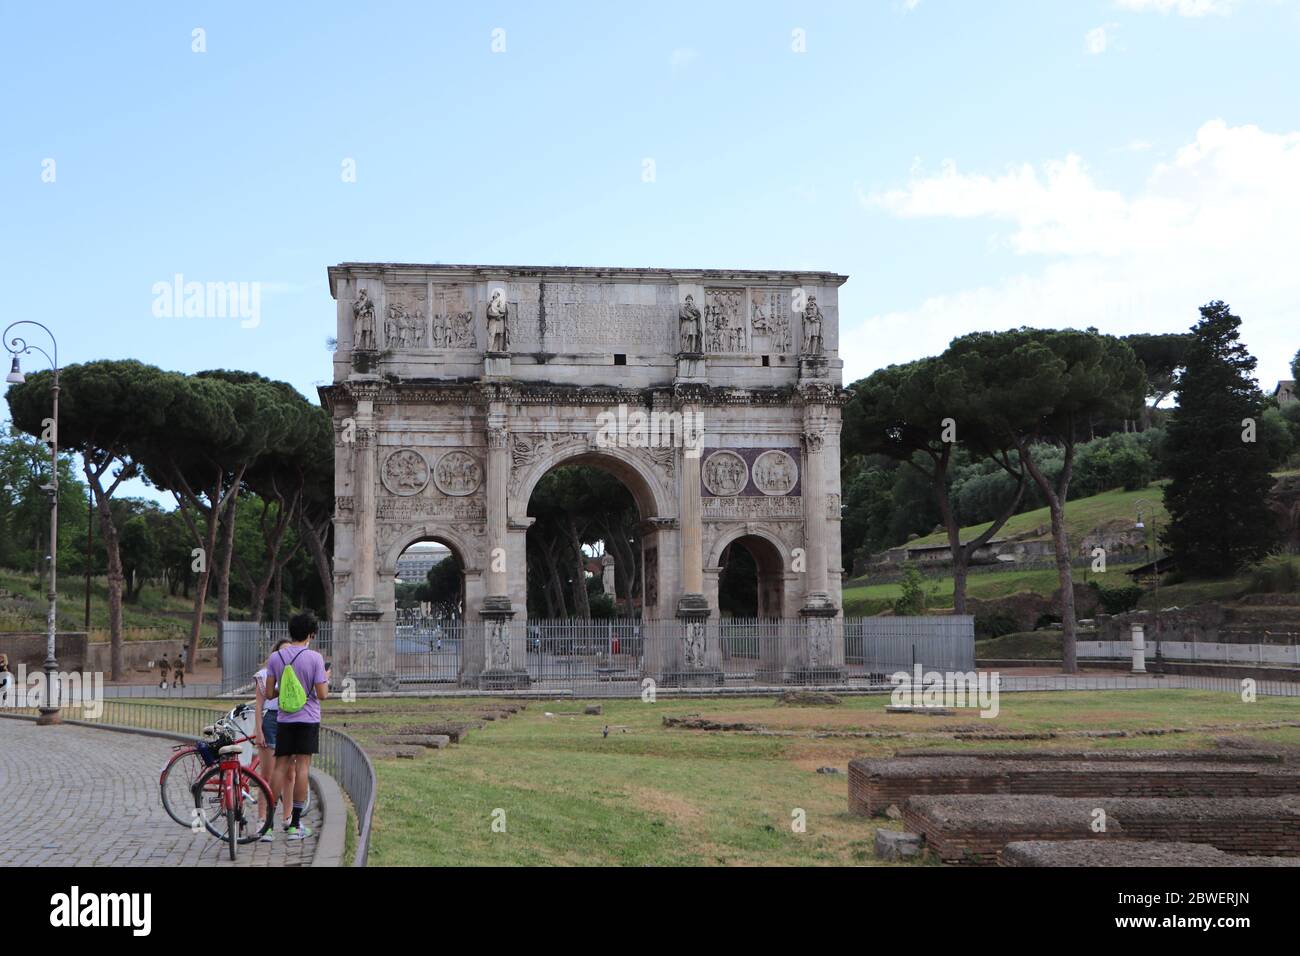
{"x": 813, "y": 367}
{"x": 369, "y": 650}
{"x": 504, "y": 647}
{"x": 819, "y": 657}
{"x": 695, "y": 659}
{"x": 496, "y": 364}
{"x": 692, "y": 367}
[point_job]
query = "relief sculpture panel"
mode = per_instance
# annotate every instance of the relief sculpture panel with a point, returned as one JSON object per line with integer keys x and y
{"x": 406, "y": 325}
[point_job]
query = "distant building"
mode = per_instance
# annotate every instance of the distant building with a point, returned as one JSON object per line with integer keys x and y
{"x": 1285, "y": 391}
{"x": 416, "y": 562}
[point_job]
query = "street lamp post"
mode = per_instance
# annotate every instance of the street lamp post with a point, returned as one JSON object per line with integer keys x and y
{"x": 1155, "y": 543}
{"x": 49, "y": 709}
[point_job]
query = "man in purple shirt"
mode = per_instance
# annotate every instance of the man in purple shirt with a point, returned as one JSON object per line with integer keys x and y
{"x": 298, "y": 733}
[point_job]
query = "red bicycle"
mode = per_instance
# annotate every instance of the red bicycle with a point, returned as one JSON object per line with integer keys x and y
{"x": 189, "y": 762}
{"x": 233, "y": 800}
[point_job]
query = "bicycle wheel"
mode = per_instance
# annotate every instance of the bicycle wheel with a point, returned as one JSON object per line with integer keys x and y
{"x": 176, "y": 783}
{"x": 244, "y": 820}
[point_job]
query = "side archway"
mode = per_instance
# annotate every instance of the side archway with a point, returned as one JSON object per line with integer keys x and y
{"x": 748, "y": 574}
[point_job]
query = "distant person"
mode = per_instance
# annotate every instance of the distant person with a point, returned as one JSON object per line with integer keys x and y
{"x": 6, "y": 680}
{"x": 178, "y": 677}
{"x": 264, "y": 737}
{"x": 164, "y": 671}
{"x": 298, "y": 680}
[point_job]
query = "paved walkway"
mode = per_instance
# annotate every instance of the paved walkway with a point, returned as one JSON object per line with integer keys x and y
{"x": 77, "y": 796}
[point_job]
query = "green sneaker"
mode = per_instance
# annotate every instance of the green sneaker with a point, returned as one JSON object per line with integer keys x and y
{"x": 268, "y": 836}
{"x": 300, "y": 832}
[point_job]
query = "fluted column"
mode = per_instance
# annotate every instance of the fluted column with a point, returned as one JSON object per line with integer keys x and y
{"x": 363, "y": 470}
{"x": 814, "y": 515}
{"x": 819, "y": 656}
{"x": 503, "y": 652}
{"x": 498, "y": 472}
{"x": 692, "y": 536}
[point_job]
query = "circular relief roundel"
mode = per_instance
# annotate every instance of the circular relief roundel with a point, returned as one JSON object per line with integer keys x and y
{"x": 725, "y": 473}
{"x": 775, "y": 473}
{"x": 457, "y": 473}
{"x": 405, "y": 472}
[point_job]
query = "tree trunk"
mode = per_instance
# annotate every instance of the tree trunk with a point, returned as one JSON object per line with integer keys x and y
{"x": 223, "y": 569}
{"x": 320, "y": 558}
{"x": 554, "y": 581}
{"x": 279, "y": 592}
{"x": 1056, "y": 498}
{"x": 108, "y": 531}
{"x": 207, "y": 540}
{"x": 209, "y": 545}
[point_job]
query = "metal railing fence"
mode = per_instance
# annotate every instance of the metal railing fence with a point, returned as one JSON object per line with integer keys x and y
{"x": 614, "y": 656}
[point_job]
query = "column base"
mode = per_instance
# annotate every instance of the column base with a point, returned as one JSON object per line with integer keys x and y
{"x": 813, "y": 366}
{"x": 693, "y": 607}
{"x": 497, "y": 607}
{"x": 364, "y": 609}
{"x": 374, "y": 682}
{"x": 504, "y": 647}
{"x": 701, "y": 677}
{"x": 829, "y": 674}
{"x": 692, "y": 367}
{"x": 821, "y": 661}
{"x": 504, "y": 680}
{"x": 696, "y": 661}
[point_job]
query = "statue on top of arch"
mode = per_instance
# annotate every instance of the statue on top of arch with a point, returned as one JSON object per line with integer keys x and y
{"x": 498, "y": 327}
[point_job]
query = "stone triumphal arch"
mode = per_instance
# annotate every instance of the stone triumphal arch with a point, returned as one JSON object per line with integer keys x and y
{"x": 714, "y": 396}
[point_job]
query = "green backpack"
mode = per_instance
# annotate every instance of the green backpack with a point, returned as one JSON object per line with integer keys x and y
{"x": 293, "y": 697}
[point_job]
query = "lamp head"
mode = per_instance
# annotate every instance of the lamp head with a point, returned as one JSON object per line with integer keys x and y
{"x": 15, "y": 376}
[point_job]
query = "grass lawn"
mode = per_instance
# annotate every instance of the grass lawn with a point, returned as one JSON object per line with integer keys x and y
{"x": 649, "y": 794}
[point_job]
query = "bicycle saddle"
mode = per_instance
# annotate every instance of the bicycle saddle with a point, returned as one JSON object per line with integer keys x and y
{"x": 231, "y": 749}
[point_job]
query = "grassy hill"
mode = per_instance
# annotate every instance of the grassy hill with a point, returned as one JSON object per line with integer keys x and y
{"x": 1114, "y": 508}
{"x": 157, "y": 615}
{"x": 1111, "y": 509}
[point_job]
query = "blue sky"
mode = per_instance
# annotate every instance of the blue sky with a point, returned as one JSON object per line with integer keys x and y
{"x": 967, "y": 164}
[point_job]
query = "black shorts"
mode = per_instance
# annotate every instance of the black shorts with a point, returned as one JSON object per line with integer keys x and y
{"x": 294, "y": 739}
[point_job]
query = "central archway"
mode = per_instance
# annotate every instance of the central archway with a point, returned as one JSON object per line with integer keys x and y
{"x": 643, "y": 547}
{"x": 584, "y": 556}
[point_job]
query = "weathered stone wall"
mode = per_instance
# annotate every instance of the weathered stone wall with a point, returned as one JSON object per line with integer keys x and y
{"x": 28, "y": 647}
{"x": 875, "y": 784}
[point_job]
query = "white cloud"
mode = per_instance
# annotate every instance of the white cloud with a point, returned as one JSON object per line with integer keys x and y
{"x": 1098, "y": 39}
{"x": 1184, "y": 8}
{"x": 1217, "y": 221}
{"x": 910, "y": 5}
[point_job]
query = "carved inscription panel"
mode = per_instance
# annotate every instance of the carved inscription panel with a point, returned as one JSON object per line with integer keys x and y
{"x": 592, "y": 317}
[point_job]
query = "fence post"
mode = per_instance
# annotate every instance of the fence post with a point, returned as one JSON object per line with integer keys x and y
{"x": 1139, "y": 649}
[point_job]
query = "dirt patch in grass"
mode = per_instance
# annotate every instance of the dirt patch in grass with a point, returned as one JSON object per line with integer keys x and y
{"x": 666, "y": 804}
